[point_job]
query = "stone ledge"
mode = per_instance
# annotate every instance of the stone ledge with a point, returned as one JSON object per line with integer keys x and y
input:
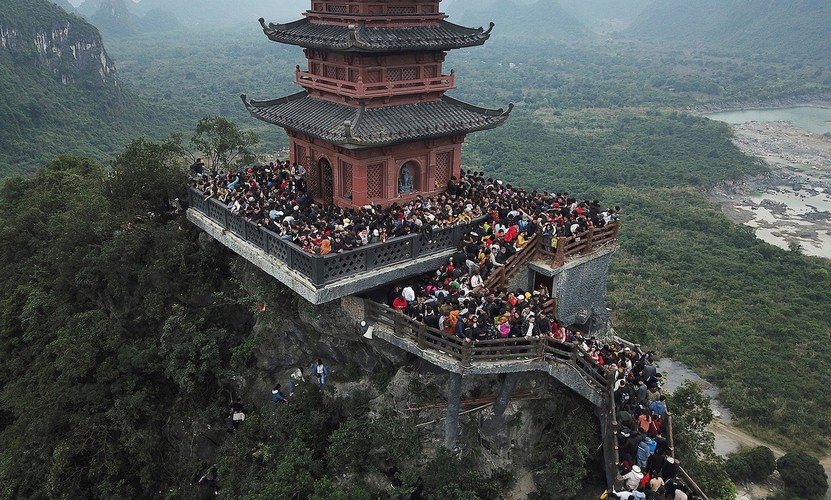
{"x": 300, "y": 284}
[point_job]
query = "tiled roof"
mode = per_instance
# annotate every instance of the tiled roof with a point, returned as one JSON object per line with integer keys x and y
{"x": 372, "y": 127}
{"x": 444, "y": 36}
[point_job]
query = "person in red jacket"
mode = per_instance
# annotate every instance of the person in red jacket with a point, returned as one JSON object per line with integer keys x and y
{"x": 400, "y": 303}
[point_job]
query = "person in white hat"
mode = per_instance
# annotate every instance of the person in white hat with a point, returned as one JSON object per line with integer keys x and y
{"x": 633, "y": 478}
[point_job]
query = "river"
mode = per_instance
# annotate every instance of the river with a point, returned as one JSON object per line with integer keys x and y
{"x": 811, "y": 118}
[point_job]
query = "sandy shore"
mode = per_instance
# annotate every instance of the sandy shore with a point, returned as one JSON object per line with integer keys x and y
{"x": 791, "y": 205}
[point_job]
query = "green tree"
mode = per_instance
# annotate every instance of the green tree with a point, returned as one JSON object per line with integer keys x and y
{"x": 803, "y": 475}
{"x": 755, "y": 464}
{"x": 691, "y": 414}
{"x": 222, "y": 142}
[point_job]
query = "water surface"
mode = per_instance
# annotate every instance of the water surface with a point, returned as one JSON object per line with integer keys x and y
{"x": 811, "y": 118}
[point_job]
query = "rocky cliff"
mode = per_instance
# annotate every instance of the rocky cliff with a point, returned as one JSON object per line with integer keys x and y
{"x": 59, "y": 89}
{"x": 61, "y": 43}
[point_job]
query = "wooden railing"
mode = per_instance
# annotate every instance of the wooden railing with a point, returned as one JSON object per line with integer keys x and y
{"x": 687, "y": 479}
{"x": 325, "y": 269}
{"x": 559, "y": 248}
{"x": 507, "y": 349}
{"x": 500, "y": 276}
{"x": 361, "y": 89}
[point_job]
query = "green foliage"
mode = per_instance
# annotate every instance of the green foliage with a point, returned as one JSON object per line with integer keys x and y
{"x": 321, "y": 447}
{"x": 803, "y": 475}
{"x": 589, "y": 149}
{"x": 54, "y": 97}
{"x": 371, "y": 445}
{"x": 738, "y": 310}
{"x": 100, "y": 341}
{"x": 446, "y": 476}
{"x": 222, "y": 142}
{"x": 569, "y": 442}
{"x": 755, "y": 464}
{"x": 691, "y": 414}
{"x": 792, "y": 30}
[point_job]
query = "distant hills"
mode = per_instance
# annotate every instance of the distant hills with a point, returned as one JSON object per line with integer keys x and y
{"x": 194, "y": 12}
{"x": 605, "y": 15}
{"x": 59, "y": 90}
{"x": 519, "y": 19}
{"x": 792, "y": 29}
{"x": 120, "y": 18}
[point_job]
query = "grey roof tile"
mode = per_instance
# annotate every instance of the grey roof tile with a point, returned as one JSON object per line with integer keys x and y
{"x": 372, "y": 127}
{"x": 444, "y": 36}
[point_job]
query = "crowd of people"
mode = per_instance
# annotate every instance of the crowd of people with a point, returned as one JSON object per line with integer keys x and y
{"x": 447, "y": 302}
{"x": 276, "y": 197}
{"x": 455, "y": 299}
{"x": 647, "y": 466}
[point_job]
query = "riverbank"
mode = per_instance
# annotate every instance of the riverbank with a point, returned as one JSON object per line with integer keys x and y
{"x": 819, "y": 101}
{"x": 790, "y": 206}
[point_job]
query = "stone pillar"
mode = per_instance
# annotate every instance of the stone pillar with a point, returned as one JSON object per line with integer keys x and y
{"x": 454, "y": 397}
{"x": 508, "y": 386}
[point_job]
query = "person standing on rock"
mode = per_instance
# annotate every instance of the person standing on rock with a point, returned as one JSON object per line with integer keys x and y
{"x": 321, "y": 371}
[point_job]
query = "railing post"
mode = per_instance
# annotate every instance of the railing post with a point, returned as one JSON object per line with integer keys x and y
{"x": 541, "y": 346}
{"x": 560, "y": 253}
{"x": 422, "y": 334}
{"x": 589, "y": 241}
{"x": 467, "y": 353}
{"x": 318, "y": 270}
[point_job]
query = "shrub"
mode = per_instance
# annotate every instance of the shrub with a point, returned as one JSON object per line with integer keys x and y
{"x": 803, "y": 475}
{"x": 751, "y": 465}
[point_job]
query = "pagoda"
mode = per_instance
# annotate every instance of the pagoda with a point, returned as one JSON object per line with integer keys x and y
{"x": 372, "y": 124}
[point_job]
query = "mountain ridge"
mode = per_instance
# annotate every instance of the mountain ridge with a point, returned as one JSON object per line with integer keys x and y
{"x": 60, "y": 89}
{"x": 794, "y": 29}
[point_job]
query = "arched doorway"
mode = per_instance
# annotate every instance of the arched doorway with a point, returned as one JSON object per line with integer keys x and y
{"x": 324, "y": 174}
{"x": 408, "y": 178}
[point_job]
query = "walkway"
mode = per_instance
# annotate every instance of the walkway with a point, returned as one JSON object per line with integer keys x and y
{"x": 566, "y": 362}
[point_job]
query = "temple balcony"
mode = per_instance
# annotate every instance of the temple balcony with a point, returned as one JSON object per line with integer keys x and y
{"x": 362, "y": 90}
{"x": 323, "y": 278}
{"x": 575, "y": 270}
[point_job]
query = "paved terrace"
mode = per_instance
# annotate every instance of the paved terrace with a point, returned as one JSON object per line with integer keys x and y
{"x": 566, "y": 362}
{"x": 323, "y": 278}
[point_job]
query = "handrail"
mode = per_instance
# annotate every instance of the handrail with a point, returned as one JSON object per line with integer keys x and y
{"x": 680, "y": 469}
{"x": 559, "y": 248}
{"x": 324, "y": 269}
{"x": 469, "y": 353}
{"x": 502, "y": 274}
{"x": 551, "y": 350}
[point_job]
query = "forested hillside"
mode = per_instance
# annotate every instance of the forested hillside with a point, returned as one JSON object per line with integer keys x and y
{"x": 59, "y": 90}
{"x": 796, "y": 30}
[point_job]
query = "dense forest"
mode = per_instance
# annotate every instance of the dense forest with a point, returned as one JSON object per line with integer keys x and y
{"x": 119, "y": 340}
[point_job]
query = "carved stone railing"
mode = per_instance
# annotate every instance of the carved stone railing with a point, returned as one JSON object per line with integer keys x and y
{"x": 325, "y": 269}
